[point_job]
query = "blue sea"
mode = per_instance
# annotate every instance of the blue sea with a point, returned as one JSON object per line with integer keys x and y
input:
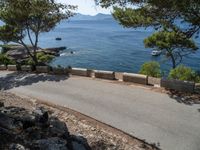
{"x": 105, "y": 45}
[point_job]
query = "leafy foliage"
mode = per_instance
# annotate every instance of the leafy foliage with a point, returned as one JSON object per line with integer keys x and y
{"x": 184, "y": 73}
{"x": 4, "y": 60}
{"x": 42, "y": 59}
{"x": 151, "y": 69}
{"x": 174, "y": 45}
{"x": 157, "y": 13}
{"x": 176, "y": 23}
{"x": 30, "y": 18}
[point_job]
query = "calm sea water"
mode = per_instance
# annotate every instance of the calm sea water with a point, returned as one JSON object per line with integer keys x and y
{"x": 105, "y": 45}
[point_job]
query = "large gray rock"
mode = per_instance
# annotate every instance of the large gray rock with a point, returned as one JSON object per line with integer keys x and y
{"x": 22, "y": 129}
{"x": 18, "y": 52}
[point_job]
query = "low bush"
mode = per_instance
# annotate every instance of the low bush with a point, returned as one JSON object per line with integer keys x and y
{"x": 42, "y": 59}
{"x": 184, "y": 73}
{"x": 151, "y": 69}
{"x": 5, "y": 60}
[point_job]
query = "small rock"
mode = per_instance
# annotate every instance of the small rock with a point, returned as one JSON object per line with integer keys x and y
{"x": 16, "y": 147}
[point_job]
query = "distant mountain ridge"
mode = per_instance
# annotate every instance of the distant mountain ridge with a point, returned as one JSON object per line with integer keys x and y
{"x": 99, "y": 16}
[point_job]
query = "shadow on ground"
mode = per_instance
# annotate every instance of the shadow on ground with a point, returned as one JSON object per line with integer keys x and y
{"x": 17, "y": 79}
{"x": 185, "y": 98}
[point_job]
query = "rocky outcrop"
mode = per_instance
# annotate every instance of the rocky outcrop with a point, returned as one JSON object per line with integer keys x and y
{"x": 22, "y": 129}
{"x": 18, "y": 52}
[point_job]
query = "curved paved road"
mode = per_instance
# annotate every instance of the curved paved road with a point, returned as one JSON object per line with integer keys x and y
{"x": 143, "y": 113}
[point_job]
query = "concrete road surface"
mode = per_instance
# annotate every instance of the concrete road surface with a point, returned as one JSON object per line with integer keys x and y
{"x": 146, "y": 114}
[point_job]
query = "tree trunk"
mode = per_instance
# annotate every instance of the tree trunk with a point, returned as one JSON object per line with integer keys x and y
{"x": 169, "y": 51}
{"x": 173, "y": 61}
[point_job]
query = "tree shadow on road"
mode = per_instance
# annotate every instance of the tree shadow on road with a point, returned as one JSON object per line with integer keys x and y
{"x": 185, "y": 98}
{"x": 17, "y": 79}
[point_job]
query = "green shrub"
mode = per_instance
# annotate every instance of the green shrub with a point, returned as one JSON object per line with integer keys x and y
{"x": 42, "y": 59}
{"x": 151, "y": 69}
{"x": 6, "y": 47}
{"x": 4, "y": 60}
{"x": 183, "y": 73}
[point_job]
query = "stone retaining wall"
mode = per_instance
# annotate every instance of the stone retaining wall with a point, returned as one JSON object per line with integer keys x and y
{"x": 119, "y": 76}
{"x": 60, "y": 71}
{"x": 135, "y": 78}
{"x": 104, "y": 74}
{"x": 42, "y": 69}
{"x": 183, "y": 86}
{"x": 110, "y": 75}
{"x": 154, "y": 81}
{"x": 26, "y": 68}
{"x": 79, "y": 72}
{"x": 3, "y": 67}
{"x": 12, "y": 68}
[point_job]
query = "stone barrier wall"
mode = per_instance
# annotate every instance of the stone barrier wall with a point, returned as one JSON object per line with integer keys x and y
{"x": 104, "y": 74}
{"x": 135, "y": 78}
{"x": 90, "y": 73}
{"x": 27, "y": 68}
{"x": 154, "y": 81}
{"x": 182, "y": 86}
{"x": 3, "y": 67}
{"x": 79, "y": 72}
{"x": 42, "y": 69}
{"x": 12, "y": 68}
{"x": 119, "y": 76}
{"x": 59, "y": 71}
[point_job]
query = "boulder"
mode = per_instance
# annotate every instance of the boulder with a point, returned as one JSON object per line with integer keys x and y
{"x": 22, "y": 129}
{"x": 18, "y": 52}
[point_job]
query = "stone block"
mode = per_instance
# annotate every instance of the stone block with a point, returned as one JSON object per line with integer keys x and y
{"x": 154, "y": 81}
{"x": 135, "y": 78}
{"x": 12, "y": 67}
{"x": 27, "y": 68}
{"x": 59, "y": 71}
{"x": 3, "y": 67}
{"x": 110, "y": 75}
{"x": 79, "y": 72}
{"x": 42, "y": 69}
{"x": 182, "y": 86}
{"x": 119, "y": 76}
{"x": 90, "y": 73}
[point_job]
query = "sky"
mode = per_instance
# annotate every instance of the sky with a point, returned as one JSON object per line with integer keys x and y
{"x": 86, "y": 7}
